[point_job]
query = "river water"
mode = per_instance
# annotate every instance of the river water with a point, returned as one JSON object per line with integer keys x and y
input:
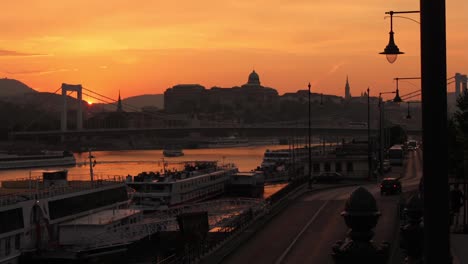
{"x": 110, "y": 164}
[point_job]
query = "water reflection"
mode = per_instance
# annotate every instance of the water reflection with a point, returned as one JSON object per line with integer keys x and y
{"x": 121, "y": 163}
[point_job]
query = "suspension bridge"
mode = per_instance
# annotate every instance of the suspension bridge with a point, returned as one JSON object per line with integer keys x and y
{"x": 181, "y": 125}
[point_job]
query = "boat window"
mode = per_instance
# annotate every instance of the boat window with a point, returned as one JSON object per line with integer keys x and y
{"x": 316, "y": 167}
{"x": 17, "y": 241}
{"x": 327, "y": 166}
{"x": 157, "y": 187}
{"x": 338, "y": 167}
{"x": 7, "y": 246}
{"x": 68, "y": 206}
{"x": 349, "y": 167}
{"x": 11, "y": 220}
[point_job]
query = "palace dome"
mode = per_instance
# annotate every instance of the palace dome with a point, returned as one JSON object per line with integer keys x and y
{"x": 253, "y": 78}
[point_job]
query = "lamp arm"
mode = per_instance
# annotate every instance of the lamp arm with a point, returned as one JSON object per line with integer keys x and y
{"x": 414, "y": 20}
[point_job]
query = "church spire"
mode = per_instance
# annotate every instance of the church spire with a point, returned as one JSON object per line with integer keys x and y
{"x": 119, "y": 104}
{"x": 347, "y": 89}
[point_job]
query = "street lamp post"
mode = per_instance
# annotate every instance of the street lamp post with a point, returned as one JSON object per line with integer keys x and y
{"x": 408, "y": 115}
{"x": 392, "y": 51}
{"x": 369, "y": 158}
{"x": 308, "y": 146}
{"x": 434, "y": 112}
{"x": 434, "y": 124}
{"x": 381, "y": 126}
{"x": 397, "y": 98}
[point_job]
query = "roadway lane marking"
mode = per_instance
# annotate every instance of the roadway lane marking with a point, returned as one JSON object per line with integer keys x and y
{"x": 285, "y": 253}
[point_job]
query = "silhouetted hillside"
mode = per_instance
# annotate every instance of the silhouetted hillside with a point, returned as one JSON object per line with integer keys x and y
{"x": 16, "y": 92}
{"x": 45, "y": 101}
{"x": 155, "y": 100}
{"x": 135, "y": 103}
{"x": 12, "y": 87}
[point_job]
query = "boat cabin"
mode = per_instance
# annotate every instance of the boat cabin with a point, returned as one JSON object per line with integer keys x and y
{"x": 78, "y": 231}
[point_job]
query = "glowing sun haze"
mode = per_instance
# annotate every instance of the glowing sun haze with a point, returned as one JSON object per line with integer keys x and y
{"x": 144, "y": 47}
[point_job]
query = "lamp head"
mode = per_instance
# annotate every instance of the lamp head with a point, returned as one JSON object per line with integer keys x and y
{"x": 397, "y": 98}
{"x": 391, "y": 50}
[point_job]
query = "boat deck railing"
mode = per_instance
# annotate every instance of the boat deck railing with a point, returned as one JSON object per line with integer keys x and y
{"x": 221, "y": 214}
{"x": 173, "y": 176}
{"x": 36, "y": 193}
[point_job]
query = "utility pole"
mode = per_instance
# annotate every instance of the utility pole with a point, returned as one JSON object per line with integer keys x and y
{"x": 369, "y": 158}
{"x": 309, "y": 146}
{"x": 91, "y": 165}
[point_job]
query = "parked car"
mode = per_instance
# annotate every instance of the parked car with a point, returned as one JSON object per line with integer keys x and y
{"x": 328, "y": 177}
{"x": 390, "y": 186}
{"x": 412, "y": 145}
{"x": 386, "y": 166}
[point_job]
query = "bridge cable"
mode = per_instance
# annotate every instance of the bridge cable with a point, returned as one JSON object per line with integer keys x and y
{"x": 134, "y": 108}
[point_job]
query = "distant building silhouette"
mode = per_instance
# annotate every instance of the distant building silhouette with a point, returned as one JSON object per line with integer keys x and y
{"x": 254, "y": 103}
{"x": 186, "y": 98}
{"x": 119, "y": 104}
{"x": 301, "y": 96}
{"x": 254, "y": 79}
{"x": 347, "y": 90}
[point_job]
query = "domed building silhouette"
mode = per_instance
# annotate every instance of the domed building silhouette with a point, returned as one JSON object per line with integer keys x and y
{"x": 254, "y": 79}
{"x": 251, "y": 95}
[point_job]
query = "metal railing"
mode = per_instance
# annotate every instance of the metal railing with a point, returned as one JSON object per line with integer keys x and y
{"x": 223, "y": 215}
{"x": 34, "y": 193}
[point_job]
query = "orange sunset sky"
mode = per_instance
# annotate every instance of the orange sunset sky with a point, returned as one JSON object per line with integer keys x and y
{"x": 145, "y": 47}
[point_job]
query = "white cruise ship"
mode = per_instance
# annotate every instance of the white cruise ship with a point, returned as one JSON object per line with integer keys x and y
{"x": 198, "y": 181}
{"x": 43, "y": 215}
{"x": 37, "y": 159}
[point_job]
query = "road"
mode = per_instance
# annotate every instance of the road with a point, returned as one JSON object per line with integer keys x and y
{"x": 305, "y": 231}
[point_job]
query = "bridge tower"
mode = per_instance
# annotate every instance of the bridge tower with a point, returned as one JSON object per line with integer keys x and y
{"x": 79, "y": 117}
{"x": 460, "y": 83}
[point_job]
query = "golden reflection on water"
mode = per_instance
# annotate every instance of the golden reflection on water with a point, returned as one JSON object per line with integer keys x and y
{"x": 131, "y": 162}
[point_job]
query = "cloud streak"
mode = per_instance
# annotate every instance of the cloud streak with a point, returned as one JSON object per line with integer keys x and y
{"x": 37, "y": 72}
{"x": 332, "y": 70}
{"x": 13, "y": 53}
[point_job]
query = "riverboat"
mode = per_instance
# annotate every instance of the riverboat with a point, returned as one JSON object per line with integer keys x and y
{"x": 282, "y": 157}
{"x": 36, "y": 159}
{"x": 276, "y": 164}
{"x": 228, "y": 142}
{"x": 173, "y": 153}
{"x": 36, "y": 215}
{"x": 198, "y": 181}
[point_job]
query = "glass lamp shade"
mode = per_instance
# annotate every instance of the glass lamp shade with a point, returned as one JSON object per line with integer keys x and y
{"x": 392, "y": 57}
{"x": 391, "y": 50}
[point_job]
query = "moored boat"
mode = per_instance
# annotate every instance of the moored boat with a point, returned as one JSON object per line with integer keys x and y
{"x": 173, "y": 153}
{"x": 36, "y": 159}
{"x": 228, "y": 142}
{"x": 198, "y": 181}
{"x": 37, "y": 215}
